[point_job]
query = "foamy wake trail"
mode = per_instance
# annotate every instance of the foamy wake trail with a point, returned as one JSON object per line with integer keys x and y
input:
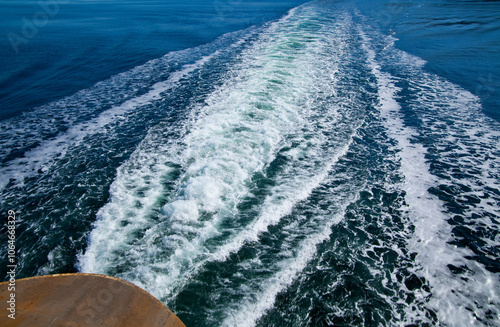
{"x": 456, "y": 300}
{"x": 34, "y": 142}
{"x": 255, "y": 305}
{"x": 41, "y": 158}
{"x": 203, "y": 192}
{"x": 175, "y": 204}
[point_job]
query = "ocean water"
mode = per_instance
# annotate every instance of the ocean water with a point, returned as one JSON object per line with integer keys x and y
{"x": 324, "y": 163}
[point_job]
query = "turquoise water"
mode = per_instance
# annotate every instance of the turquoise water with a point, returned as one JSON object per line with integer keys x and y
{"x": 262, "y": 164}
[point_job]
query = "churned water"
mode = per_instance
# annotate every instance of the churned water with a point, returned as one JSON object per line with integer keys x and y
{"x": 328, "y": 163}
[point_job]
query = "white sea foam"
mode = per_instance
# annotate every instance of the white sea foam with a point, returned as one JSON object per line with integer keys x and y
{"x": 254, "y": 306}
{"x": 266, "y": 105}
{"x": 42, "y": 157}
{"x": 175, "y": 204}
{"x": 455, "y": 301}
{"x": 295, "y": 190}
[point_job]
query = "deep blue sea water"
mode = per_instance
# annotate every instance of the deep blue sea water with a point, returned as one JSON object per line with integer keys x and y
{"x": 253, "y": 163}
{"x": 54, "y": 50}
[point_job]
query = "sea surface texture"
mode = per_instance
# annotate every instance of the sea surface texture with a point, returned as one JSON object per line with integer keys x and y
{"x": 325, "y": 165}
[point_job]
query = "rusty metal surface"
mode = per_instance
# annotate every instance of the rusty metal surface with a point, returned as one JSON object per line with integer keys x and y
{"x": 77, "y": 300}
